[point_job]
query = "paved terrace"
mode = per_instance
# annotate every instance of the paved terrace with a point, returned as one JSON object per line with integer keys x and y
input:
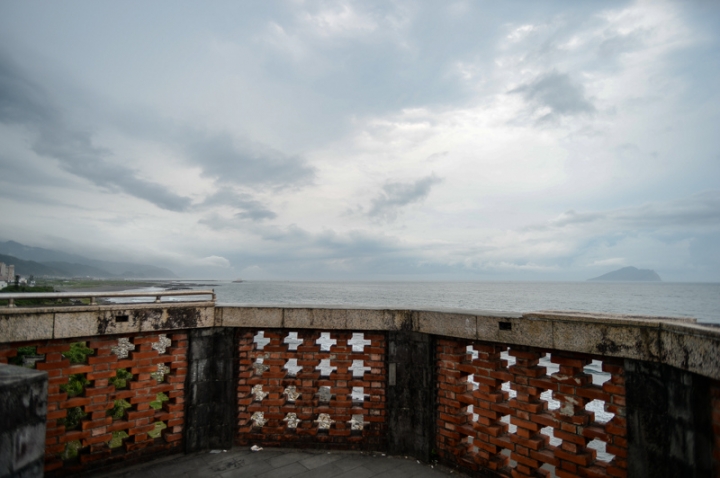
{"x": 282, "y": 463}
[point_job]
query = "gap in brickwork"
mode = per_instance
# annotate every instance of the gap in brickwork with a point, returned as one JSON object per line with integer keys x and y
{"x": 511, "y": 428}
{"x": 594, "y": 369}
{"x": 293, "y": 341}
{"x": 358, "y": 394}
{"x": 260, "y": 340}
{"x": 26, "y": 357}
{"x": 506, "y": 387}
{"x": 292, "y": 367}
{"x": 550, "y": 368}
{"x": 598, "y": 408}
{"x": 471, "y": 448}
{"x": 549, "y": 431}
{"x": 358, "y": 368}
{"x": 547, "y": 396}
{"x": 509, "y": 359}
{"x": 471, "y": 380}
{"x": 599, "y": 447}
{"x": 549, "y": 469}
{"x": 325, "y": 342}
{"x": 324, "y": 394}
{"x": 325, "y": 368}
{"x": 358, "y": 342}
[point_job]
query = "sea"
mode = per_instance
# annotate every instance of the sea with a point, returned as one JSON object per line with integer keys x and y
{"x": 665, "y": 299}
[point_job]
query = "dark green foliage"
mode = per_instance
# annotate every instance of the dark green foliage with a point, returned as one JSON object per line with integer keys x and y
{"x": 78, "y": 353}
{"x": 22, "y": 352}
{"x": 118, "y": 411}
{"x": 157, "y": 403}
{"x": 76, "y": 385}
{"x": 72, "y": 420}
{"x": 121, "y": 378}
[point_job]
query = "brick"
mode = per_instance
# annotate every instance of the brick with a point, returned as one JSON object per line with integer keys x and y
{"x": 614, "y": 389}
{"x": 582, "y": 459}
{"x": 51, "y": 348}
{"x": 92, "y": 360}
{"x": 76, "y": 402}
{"x": 101, "y": 375}
{"x": 52, "y": 365}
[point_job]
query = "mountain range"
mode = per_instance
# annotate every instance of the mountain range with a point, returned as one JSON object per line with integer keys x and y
{"x": 629, "y": 274}
{"x": 51, "y": 263}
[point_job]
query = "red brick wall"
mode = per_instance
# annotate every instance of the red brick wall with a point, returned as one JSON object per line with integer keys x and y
{"x": 94, "y": 432}
{"x": 276, "y": 406}
{"x": 486, "y": 442}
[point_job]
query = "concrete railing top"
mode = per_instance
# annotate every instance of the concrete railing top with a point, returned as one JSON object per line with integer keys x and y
{"x": 12, "y": 297}
{"x": 679, "y": 342}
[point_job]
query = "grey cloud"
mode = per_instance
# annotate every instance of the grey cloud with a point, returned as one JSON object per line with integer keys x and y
{"x": 396, "y": 195}
{"x": 248, "y": 164}
{"x": 23, "y": 102}
{"x": 558, "y": 92}
{"x": 250, "y": 208}
{"x": 697, "y": 211}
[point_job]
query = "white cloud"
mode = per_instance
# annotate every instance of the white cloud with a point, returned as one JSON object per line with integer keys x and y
{"x": 215, "y": 261}
{"x": 259, "y": 129}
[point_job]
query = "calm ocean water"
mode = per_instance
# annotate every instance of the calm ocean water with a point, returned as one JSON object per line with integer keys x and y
{"x": 699, "y": 300}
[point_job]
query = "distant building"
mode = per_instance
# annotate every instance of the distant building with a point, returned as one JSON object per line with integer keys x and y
{"x": 3, "y": 284}
{"x": 7, "y": 273}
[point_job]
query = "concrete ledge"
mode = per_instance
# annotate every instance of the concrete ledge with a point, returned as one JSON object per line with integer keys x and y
{"x": 45, "y": 323}
{"x": 678, "y": 342}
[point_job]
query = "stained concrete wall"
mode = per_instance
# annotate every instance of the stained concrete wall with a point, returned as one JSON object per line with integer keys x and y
{"x": 411, "y": 394}
{"x": 211, "y": 396}
{"x": 669, "y": 418}
{"x": 23, "y": 409}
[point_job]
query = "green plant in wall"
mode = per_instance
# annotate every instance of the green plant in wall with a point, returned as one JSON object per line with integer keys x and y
{"x": 118, "y": 411}
{"x": 78, "y": 352}
{"x": 23, "y": 356}
{"x": 159, "y": 427}
{"x": 159, "y": 398}
{"x": 121, "y": 378}
{"x": 76, "y": 385}
{"x": 72, "y": 448}
{"x": 117, "y": 438}
{"x": 72, "y": 419}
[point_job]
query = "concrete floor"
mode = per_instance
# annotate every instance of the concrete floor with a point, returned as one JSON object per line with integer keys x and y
{"x": 281, "y": 463}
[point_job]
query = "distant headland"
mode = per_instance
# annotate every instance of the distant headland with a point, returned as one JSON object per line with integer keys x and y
{"x": 629, "y": 274}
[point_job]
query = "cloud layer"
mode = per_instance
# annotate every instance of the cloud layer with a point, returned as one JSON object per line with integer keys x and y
{"x": 366, "y": 140}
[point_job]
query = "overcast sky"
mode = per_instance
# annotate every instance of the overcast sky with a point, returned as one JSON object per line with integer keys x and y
{"x": 365, "y": 140}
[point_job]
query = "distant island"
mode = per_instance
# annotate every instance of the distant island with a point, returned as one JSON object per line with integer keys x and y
{"x": 630, "y": 274}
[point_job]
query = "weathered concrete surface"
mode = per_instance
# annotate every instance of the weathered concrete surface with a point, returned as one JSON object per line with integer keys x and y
{"x": 515, "y": 330}
{"x": 677, "y": 342}
{"x": 23, "y": 409}
{"x": 25, "y": 326}
{"x": 310, "y": 318}
{"x": 211, "y": 396}
{"x": 669, "y": 419}
{"x": 44, "y": 323}
{"x": 269, "y": 317}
